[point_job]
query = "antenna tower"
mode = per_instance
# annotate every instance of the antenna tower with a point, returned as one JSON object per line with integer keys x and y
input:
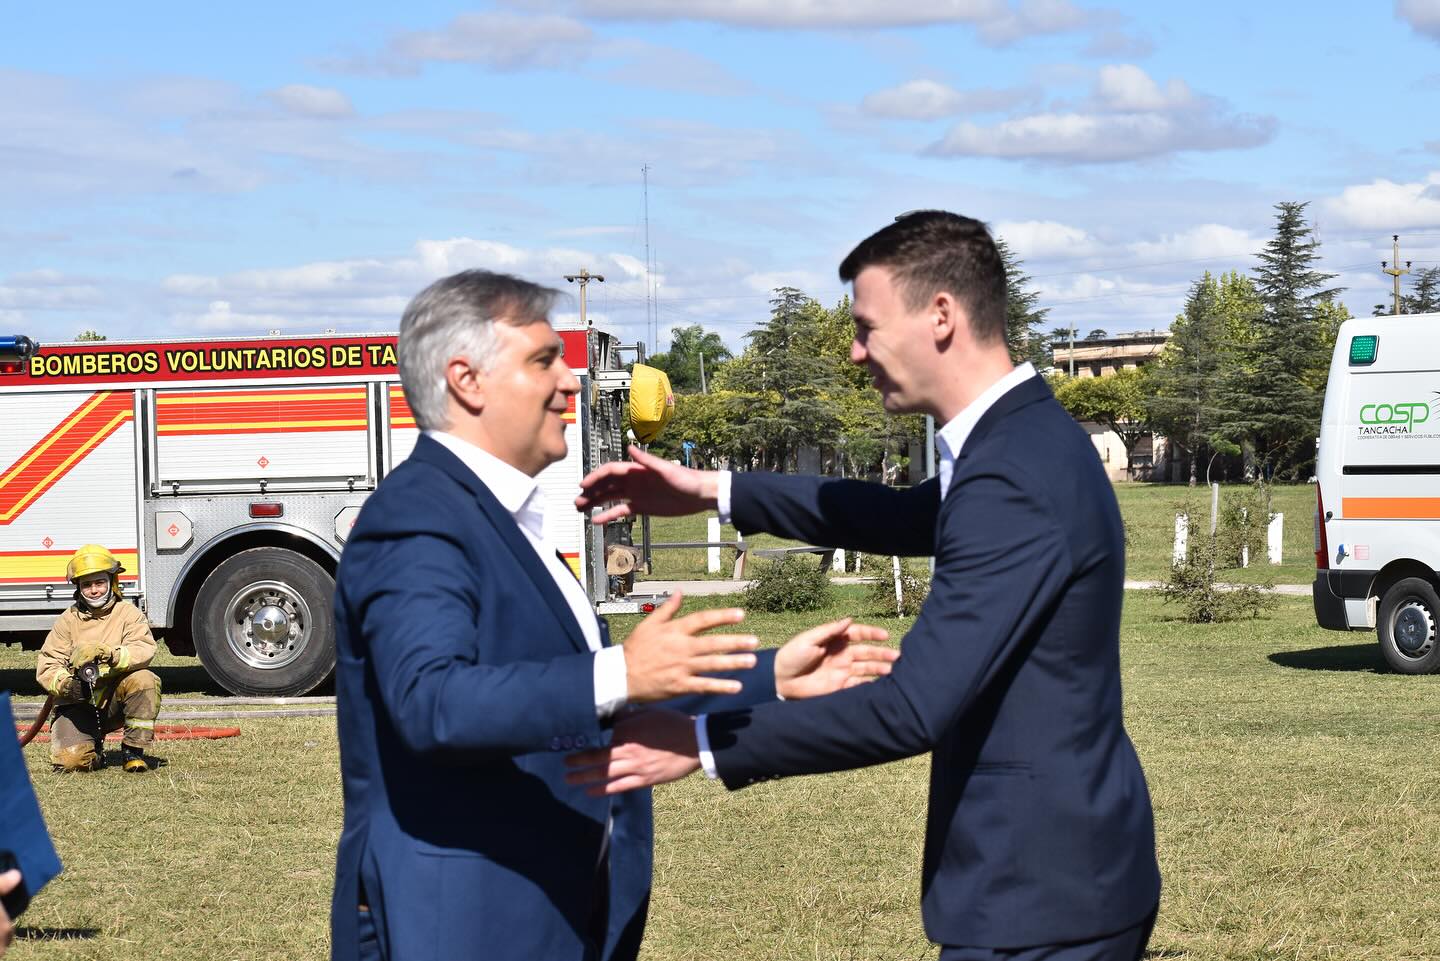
{"x": 649, "y": 267}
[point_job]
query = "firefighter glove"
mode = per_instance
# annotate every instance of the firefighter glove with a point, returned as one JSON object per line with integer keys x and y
{"x": 90, "y": 651}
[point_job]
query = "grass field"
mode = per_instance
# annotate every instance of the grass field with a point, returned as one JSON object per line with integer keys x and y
{"x": 1149, "y": 511}
{"x": 1293, "y": 783}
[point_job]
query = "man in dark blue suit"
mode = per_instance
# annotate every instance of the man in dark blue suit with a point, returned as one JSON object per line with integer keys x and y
{"x": 1040, "y": 838}
{"x": 470, "y": 662}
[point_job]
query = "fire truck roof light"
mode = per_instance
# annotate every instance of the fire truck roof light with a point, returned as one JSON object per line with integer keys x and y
{"x": 16, "y": 347}
{"x": 267, "y": 510}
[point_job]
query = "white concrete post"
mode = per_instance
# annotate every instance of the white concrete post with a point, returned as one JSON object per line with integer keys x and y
{"x": 1182, "y": 532}
{"x": 712, "y": 553}
{"x": 1274, "y": 536}
{"x": 1244, "y": 548}
{"x": 899, "y": 597}
{"x": 839, "y": 563}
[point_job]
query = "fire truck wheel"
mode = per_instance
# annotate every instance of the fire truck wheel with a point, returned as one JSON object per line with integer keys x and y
{"x": 1406, "y": 624}
{"x": 263, "y": 623}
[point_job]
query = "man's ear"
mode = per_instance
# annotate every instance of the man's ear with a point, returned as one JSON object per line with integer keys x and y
{"x": 945, "y": 317}
{"x": 465, "y": 384}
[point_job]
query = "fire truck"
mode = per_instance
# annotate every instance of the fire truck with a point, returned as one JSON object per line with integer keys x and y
{"x": 226, "y": 476}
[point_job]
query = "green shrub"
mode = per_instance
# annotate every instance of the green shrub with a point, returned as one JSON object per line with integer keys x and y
{"x": 914, "y": 585}
{"x": 1192, "y": 585}
{"x": 789, "y": 584}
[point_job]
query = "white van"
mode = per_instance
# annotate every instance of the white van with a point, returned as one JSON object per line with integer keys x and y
{"x": 1377, "y": 517}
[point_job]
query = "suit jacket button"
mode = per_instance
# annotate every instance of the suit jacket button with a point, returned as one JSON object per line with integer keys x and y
{"x": 554, "y": 744}
{"x": 580, "y": 741}
{"x": 567, "y": 742}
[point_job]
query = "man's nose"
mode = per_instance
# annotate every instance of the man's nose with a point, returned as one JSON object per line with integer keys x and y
{"x": 569, "y": 383}
{"x": 857, "y": 352}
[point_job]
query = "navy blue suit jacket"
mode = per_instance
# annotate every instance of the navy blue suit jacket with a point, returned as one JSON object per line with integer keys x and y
{"x": 463, "y": 680}
{"x": 1039, "y": 829}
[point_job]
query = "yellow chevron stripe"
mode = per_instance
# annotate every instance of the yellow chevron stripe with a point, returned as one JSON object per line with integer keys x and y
{"x": 52, "y": 567}
{"x": 269, "y": 424}
{"x": 55, "y": 435}
{"x": 64, "y": 465}
{"x": 259, "y": 398}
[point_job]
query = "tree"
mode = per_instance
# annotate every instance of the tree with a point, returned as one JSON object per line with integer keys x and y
{"x": 1182, "y": 402}
{"x": 1425, "y": 299}
{"x": 1097, "y": 334}
{"x": 1426, "y": 296}
{"x": 682, "y": 362}
{"x": 1115, "y": 402}
{"x": 1273, "y": 393}
{"x": 89, "y": 335}
{"x": 781, "y": 382}
{"x": 1022, "y": 317}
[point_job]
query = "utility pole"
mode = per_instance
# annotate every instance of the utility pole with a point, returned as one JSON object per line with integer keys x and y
{"x": 583, "y": 278}
{"x": 1395, "y": 271}
{"x": 702, "y": 372}
{"x": 1072, "y": 350}
{"x": 649, "y": 267}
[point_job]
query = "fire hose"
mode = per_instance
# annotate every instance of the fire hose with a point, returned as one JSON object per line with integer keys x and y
{"x": 163, "y": 732}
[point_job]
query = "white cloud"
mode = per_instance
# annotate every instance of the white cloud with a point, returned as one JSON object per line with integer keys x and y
{"x": 799, "y": 13}
{"x": 503, "y": 41}
{"x": 998, "y": 23}
{"x": 1422, "y": 15}
{"x": 219, "y": 317}
{"x": 1203, "y": 242}
{"x": 1129, "y": 117}
{"x": 1386, "y": 205}
{"x": 930, "y": 100}
{"x": 1031, "y": 239}
{"x": 1032, "y": 18}
{"x": 316, "y": 102}
{"x": 1125, "y": 87}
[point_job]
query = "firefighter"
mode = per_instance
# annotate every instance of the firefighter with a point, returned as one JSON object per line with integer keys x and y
{"x": 102, "y": 628}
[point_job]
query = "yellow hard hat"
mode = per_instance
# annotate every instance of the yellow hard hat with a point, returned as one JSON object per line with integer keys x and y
{"x": 91, "y": 559}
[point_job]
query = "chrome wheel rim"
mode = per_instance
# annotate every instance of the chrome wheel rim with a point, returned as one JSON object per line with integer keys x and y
{"x": 267, "y": 624}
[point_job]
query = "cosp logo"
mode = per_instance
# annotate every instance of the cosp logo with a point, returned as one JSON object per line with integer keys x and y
{"x": 1405, "y": 414}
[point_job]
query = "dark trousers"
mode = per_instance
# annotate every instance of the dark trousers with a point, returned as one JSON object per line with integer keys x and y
{"x": 1127, "y": 945}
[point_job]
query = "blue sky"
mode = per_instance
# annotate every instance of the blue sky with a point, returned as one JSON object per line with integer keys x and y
{"x": 179, "y": 170}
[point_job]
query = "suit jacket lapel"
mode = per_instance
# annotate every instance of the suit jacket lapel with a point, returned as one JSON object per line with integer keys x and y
{"x": 528, "y": 561}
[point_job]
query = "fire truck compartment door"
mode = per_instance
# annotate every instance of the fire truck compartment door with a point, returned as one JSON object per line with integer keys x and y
{"x": 271, "y": 434}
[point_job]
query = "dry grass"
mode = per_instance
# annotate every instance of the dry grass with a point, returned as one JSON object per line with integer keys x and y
{"x": 1293, "y": 785}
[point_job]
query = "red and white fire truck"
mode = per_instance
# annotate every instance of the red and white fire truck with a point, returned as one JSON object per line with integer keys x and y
{"x": 226, "y": 475}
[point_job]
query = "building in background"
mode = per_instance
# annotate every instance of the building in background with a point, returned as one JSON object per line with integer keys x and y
{"x": 1099, "y": 357}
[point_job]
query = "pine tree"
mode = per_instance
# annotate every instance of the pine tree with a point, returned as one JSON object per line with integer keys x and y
{"x": 1271, "y": 394}
{"x": 1182, "y": 403}
{"x": 1022, "y": 317}
{"x": 782, "y": 380}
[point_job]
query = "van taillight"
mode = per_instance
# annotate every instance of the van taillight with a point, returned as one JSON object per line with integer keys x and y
{"x": 1322, "y": 547}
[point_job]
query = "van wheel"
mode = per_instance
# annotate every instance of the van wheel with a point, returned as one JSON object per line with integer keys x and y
{"x": 264, "y": 625}
{"x": 1406, "y": 626}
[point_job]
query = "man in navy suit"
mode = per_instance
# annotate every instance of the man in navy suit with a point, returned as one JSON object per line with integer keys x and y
{"x": 1040, "y": 838}
{"x": 470, "y": 662}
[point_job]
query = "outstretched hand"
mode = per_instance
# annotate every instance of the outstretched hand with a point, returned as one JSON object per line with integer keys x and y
{"x": 648, "y": 748}
{"x": 668, "y": 655}
{"x": 829, "y": 657}
{"x": 646, "y": 484}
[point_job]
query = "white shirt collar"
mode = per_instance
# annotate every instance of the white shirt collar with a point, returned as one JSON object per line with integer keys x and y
{"x": 516, "y": 490}
{"x": 953, "y": 435}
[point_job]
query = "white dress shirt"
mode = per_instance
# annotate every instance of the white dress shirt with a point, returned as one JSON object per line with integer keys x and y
{"x": 951, "y": 439}
{"x": 520, "y": 494}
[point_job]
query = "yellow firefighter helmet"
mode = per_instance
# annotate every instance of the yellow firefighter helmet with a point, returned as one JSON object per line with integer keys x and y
{"x": 92, "y": 559}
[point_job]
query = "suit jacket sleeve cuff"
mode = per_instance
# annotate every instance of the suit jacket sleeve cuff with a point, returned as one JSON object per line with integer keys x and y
{"x": 611, "y": 688}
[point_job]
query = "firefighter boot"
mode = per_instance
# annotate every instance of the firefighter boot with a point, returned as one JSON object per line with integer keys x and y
{"x": 132, "y": 760}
